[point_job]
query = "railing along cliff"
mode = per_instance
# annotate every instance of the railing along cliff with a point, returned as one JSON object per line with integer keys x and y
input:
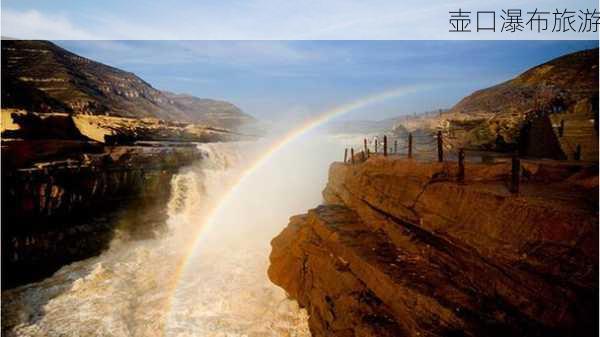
{"x": 428, "y": 145}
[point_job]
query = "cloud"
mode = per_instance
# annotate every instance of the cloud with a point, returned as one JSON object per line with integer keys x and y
{"x": 258, "y": 19}
{"x": 32, "y": 24}
{"x": 230, "y": 53}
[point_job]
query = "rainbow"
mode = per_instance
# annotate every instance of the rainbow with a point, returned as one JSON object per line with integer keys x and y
{"x": 287, "y": 138}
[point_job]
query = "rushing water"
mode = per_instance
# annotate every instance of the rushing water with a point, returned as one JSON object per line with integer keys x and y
{"x": 138, "y": 288}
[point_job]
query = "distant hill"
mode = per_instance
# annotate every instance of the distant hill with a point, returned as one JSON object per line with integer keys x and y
{"x": 548, "y": 111}
{"x": 573, "y": 76}
{"x": 41, "y": 76}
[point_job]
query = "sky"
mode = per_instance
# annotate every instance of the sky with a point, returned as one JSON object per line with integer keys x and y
{"x": 263, "y": 19}
{"x": 283, "y": 80}
{"x": 276, "y": 59}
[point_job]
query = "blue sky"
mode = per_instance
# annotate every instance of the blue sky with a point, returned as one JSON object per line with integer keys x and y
{"x": 261, "y": 19}
{"x": 295, "y": 73}
{"x": 275, "y": 80}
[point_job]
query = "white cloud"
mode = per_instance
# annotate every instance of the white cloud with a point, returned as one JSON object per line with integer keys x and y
{"x": 32, "y": 24}
{"x": 265, "y": 19}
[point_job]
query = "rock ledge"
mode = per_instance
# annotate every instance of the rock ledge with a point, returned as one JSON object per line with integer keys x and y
{"x": 400, "y": 248}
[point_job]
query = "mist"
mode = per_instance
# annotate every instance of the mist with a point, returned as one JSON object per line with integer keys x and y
{"x": 230, "y": 259}
{"x": 207, "y": 276}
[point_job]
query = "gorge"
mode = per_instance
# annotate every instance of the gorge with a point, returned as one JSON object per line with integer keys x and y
{"x": 77, "y": 157}
{"x": 133, "y": 211}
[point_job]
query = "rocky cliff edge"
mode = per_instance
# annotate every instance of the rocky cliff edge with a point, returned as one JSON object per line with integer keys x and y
{"x": 401, "y": 248}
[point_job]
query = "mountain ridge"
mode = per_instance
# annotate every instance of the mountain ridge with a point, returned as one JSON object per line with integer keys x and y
{"x": 564, "y": 74}
{"x": 41, "y": 76}
{"x": 547, "y": 111}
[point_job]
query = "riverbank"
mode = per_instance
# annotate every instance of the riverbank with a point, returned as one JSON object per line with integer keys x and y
{"x": 70, "y": 181}
{"x": 57, "y": 212}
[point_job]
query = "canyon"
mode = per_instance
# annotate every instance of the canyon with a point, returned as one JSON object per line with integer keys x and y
{"x": 108, "y": 183}
{"x": 403, "y": 248}
{"x": 89, "y": 150}
{"x": 65, "y": 209}
{"x": 71, "y": 180}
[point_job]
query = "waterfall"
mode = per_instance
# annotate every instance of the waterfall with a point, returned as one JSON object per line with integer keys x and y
{"x": 135, "y": 288}
{"x": 196, "y": 189}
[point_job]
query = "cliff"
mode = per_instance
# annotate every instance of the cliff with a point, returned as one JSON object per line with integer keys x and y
{"x": 400, "y": 248}
{"x": 69, "y": 182}
{"x": 43, "y": 77}
{"x": 89, "y": 150}
{"x": 63, "y": 201}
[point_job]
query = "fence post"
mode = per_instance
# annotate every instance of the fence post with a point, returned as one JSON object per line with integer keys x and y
{"x": 410, "y": 145}
{"x": 577, "y": 152}
{"x": 375, "y": 145}
{"x": 366, "y": 149}
{"x": 352, "y": 155}
{"x": 439, "y": 147}
{"x": 561, "y": 128}
{"x": 385, "y": 148}
{"x": 461, "y": 165}
{"x": 345, "y": 155}
{"x": 515, "y": 174}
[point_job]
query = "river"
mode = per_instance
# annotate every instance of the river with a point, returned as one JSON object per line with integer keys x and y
{"x": 207, "y": 275}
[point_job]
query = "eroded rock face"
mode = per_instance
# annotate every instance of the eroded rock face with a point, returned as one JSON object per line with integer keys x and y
{"x": 70, "y": 180}
{"x": 68, "y": 208}
{"x": 400, "y": 248}
{"x": 21, "y": 124}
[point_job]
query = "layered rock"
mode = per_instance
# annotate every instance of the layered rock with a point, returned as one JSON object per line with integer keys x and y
{"x": 400, "y": 248}
{"x": 87, "y": 150}
{"x": 69, "y": 207}
{"x": 30, "y": 137}
{"x": 70, "y": 181}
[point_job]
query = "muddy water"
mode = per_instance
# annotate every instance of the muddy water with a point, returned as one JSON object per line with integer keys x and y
{"x": 139, "y": 288}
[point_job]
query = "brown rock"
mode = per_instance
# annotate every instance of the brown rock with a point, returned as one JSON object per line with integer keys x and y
{"x": 402, "y": 249}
